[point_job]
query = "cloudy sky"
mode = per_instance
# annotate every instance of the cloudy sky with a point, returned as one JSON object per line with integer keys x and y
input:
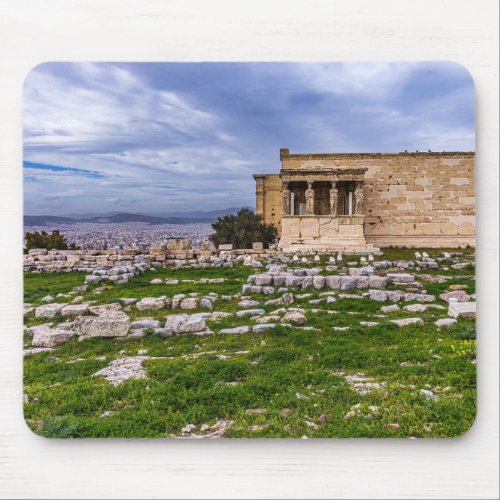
{"x": 165, "y": 137}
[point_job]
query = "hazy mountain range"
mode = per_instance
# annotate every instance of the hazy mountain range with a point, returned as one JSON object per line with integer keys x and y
{"x": 116, "y": 217}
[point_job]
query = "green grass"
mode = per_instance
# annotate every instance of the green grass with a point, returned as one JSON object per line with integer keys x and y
{"x": 65, "y": 400}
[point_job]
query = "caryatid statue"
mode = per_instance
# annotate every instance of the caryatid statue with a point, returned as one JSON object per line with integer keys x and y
{"x": 285, "y": 198}
{"x": 334, "y": 196}
{"x": 358, "y": 193}
{"x": 309, "y": 199}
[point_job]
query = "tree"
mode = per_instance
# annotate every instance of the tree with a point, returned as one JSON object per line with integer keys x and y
{"x": 52, "y": 241}
{"x": 242, "y": 230}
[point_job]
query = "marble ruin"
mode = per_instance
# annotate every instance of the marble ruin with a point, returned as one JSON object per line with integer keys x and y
{"x": 355, "y": 203}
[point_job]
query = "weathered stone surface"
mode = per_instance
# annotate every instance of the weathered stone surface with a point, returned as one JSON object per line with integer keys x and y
{"x": 110, "y": 325}
{"x": 105, "y": 309}
{"x": 48, "y": 310}
{"x": 333, "y": 282}
{"x": 389, "y": 309}
{"x": 128, "y": 301}
{"x": 236, "y": 331}
{"x": 263, "y": 279}
{"x": 295, "y": 318}
{"x": 185, "y": 323}
{"x": 377, "y": 282}
{"x": 401, "y": 277}
{"x": 123, "y": 369}
{"x": 378, "y": 295}
{"x": 445, "y": 322}
{"x": 419, "y": 297}
{"x": 174, "y": 246}
{"x": 263, "y": 327}
{"x": 151, "y": 304}
{"x": 217, "y": 315}
{"x": 287, "y": 299}
{"x": 416, "y": 308}
{"x": 250, "y": 312}
{"x": 462, "y": 310}
{"x": 318, "y": 282}
{"x": 206, "y": 303}
{"x": 44, "y": 336}
{"x": 407, "y": 321}
{"x": 248, "y": 303}
{"x": 37, "y": 251}
{"x": 362, "y": 282}
{"x": 347, "y": 282}
{"x": 458, "y": 295}
{"x": 74, "y": 309}
{"x": 145, "y": 323}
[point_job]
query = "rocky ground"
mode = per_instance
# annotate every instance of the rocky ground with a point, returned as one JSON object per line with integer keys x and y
{"x": 351, "y": 347}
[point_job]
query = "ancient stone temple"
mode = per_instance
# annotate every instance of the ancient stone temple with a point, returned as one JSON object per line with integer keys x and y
{"x": 357, "y": 202}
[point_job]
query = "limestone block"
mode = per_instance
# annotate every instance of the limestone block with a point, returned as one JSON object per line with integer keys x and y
{"x": 377, "y": 282}
{"x": 432, "y": 228}
{"x": 111, "y": 325}
{"x": 459, "y": 181}
{"x": 396, "y": 229}
{"x": 290, "y": 227}
{"x": 449, "y": 229}
{"x": 48, "y": 310}
{"x": 318, "y": 282}
{"x": 309, "y": 227}
{"x": 333, "y": 282}
{"x": 462, "y": 309}
{"x": 43, "y": 336}
{"x": 329, "y": 228}
{"x": 347, "y": 282}
{"x": 467, "y": 229}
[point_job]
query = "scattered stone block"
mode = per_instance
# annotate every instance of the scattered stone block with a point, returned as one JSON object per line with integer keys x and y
{"x": 462, "y": 310}
{"x": 294, "y": 317}
{"x": 48, "y": 310}
{"x": 263, "y": 327}
{"x": 74, "y": 309}
{"x": 110, "y": 325}
{"x": 151, "y": 304}
{"x": 407, "y": 321}
{"x": 458, "y": 295}
{"x": 44, "y": 336}
{"x": 235, "y": 331}
{"x": 250, "y": 312}
{"x": 389, "y": 309}
{"x": 183, "y": 323}
{"x": 446, "y": 322}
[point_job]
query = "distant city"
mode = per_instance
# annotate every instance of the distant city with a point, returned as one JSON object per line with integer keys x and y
{"x": 127, "y": 231}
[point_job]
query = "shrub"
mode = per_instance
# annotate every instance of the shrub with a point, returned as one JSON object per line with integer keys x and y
{"x": 52, "y": 241}
{"x": 242, "y": 230}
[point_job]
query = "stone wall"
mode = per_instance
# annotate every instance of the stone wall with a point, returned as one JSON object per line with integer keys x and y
{"x": 410, "y": 199}
{"x": 41, "y": 260}
{"x": 268, "y": 198}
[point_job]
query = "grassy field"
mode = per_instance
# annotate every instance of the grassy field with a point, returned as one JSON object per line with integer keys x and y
{"x": 297, "y": 379}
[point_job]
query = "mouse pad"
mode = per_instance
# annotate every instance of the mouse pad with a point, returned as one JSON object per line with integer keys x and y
{"x": 249, "y": 250}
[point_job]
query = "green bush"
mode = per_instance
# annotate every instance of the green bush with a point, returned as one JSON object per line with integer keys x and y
{"x": 242, "y": 230}
{"x": 52, "y": 241}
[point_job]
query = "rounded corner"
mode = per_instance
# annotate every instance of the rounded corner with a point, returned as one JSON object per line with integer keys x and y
{"x": 31, "y": 429}
{"x": 467, "y": 431}
{"x": 32, "y": 69}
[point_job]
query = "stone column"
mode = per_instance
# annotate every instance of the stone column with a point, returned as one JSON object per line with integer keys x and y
{"x": 334, "y": 196}
{"x": 285, "y": 199}
{"x": 358, "y": 193}
{"x": 309, "y": 199}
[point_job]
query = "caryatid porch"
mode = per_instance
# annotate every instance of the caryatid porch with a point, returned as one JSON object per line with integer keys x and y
{"x": 322, "y": 210}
